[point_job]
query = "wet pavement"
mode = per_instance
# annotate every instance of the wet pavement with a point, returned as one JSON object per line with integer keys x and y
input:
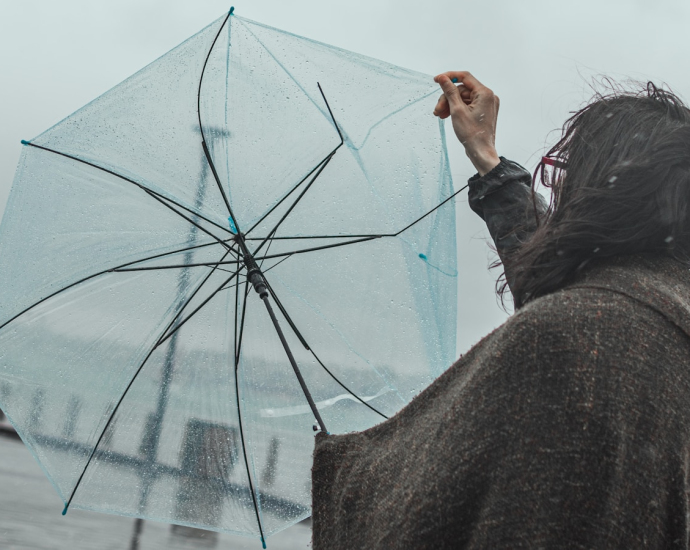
{"x": 30, "y": 518}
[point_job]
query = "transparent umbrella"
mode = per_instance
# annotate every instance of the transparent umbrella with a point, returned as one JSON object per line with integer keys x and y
{"x": 251, "y": 238}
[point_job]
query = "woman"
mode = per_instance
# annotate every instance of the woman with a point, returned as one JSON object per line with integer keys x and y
{"x": 569, "y": 425}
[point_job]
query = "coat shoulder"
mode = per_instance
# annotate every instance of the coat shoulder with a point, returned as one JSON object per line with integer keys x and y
{"x": 591, "y": 332}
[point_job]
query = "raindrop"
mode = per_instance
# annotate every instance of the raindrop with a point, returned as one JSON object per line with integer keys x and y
{"x": 597, "y": 249}
{"x": 609, "y": 115}
{"x": 668, "y": 239}
{"x": 612, "y": 179}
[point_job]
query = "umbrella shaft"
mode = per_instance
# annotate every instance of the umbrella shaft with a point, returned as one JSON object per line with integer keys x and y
{"x": 254, "y": 274}
{"x": 257, "y": 280}
{"x": 312, "y": 405}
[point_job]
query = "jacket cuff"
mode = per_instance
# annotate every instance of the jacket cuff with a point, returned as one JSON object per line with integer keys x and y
{"x": 504, "y": 172}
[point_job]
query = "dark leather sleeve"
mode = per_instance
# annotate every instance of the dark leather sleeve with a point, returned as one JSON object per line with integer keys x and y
{"x": 503, "y": 199}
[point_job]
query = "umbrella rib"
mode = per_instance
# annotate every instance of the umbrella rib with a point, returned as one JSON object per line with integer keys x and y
{"x": 128, "y": 461}
{"x": 109, "y": 270}
{"x": 282, "y": 66}
{"x": 331, "y": 113}
{"x": 179, "y": 313}
{"x": 264, "y": 271}
{"x": 261, "y": 263}
{"x": 345, "y": 387}
{"x": 316, "y": 175}
{"x": 244, "y": 309}
{"x": 224, "y": 270}
{"x": 324, "y": 247}
{"x": 295, "y": 187}
{"x": 319, "y": 237}
{"x": 160, "y": 198}
{"x": 198, "y": 308}
{"x": 124, "y": 393}
{"x": 164, "y": 202}
{"x": 275, "y": 265}
{"x": 298, "y": 199}
{"x": 306, "y": 345}
{"x": 232, "y": 285}
{"x": 299, "y": 251}
{"x": 326, "y": 160}
{"x": 207, "y": 153}
{"x": 234, "y": 341}
{"x": 186, "y": 249}
{"x": 363, "y": 236}
{"x": 293, "y": 363}
{"x": 177, "y": 266}
{"x": 360, "y": 240}
{"x": 439, "y": 205}
{"x": 193, "y": 212}
{"x": 285, "y": 314}
{"x": 238, "y": 347}
{"x": 108, "y": 422}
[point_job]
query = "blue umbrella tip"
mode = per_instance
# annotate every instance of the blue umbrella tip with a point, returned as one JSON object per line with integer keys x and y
{"x": 422, "y": 256}
{"x": 455, "y": 80}
{"x": 24, "y": 142}
{"x": 64, "y": 512}
{"x": 232, "y": 9}
{"x": 263, "y": 542}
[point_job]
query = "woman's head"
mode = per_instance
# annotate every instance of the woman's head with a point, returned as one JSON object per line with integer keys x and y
{"x": 625, "y": 189}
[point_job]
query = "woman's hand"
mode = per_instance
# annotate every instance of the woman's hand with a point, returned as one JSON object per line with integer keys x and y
{"x": 473, "y": 109}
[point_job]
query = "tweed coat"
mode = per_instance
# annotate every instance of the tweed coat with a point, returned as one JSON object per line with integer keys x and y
{"x": 566, "y": 427}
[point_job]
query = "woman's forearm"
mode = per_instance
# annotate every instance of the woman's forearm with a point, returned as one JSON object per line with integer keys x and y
{"x": 501, "y": 191}
{"x": 503, "y": 199}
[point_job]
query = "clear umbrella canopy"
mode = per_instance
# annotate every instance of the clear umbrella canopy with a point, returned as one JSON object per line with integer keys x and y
{"x": 137, "y": 362}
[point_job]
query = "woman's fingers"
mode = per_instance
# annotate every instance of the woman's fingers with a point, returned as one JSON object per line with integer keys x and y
{"x": 442, "y": 109}
{"x": 451, "y": 92}
{"x": 463, "y": 77}
{"x": 473, "y": 109}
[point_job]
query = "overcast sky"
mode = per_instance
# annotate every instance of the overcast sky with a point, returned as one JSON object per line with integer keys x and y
{"x": 539, "y": 58}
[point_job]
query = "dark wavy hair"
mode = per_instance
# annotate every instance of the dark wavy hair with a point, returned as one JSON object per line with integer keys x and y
{"x": 623, "y": 188}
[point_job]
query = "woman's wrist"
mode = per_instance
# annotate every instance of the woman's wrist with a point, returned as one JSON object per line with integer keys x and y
{"x": 484, "y": 159}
